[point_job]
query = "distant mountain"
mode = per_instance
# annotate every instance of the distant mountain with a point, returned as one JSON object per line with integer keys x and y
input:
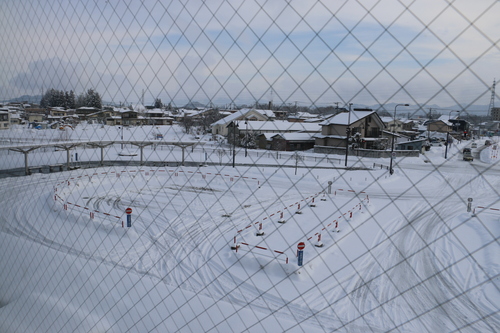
{"x": 473, "y": 109}
{"x": 194, "y": 105}
{"x": 26, "y": 98}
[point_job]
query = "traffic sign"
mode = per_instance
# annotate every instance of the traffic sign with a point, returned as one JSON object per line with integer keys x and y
{"x": 300, "y": 258}
{"x": 301, "y": 246}
{"x": 129, "y": 221}
{"x": 128, "y": 210}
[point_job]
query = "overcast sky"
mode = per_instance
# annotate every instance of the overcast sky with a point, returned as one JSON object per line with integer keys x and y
{"x": 306, "y": 52}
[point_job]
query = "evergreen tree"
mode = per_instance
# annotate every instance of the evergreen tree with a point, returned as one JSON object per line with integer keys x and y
{"x": 158, "y": 104}
{"x": 67, "y": 100}
{"x": 93, "y": 99}
{"x": 71, "y": 100}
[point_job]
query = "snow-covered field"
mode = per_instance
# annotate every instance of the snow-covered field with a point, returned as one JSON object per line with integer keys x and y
{"x": 399, "y": 253}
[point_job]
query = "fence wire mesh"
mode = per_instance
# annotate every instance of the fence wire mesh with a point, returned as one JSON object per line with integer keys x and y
{"x": 249, "y": 166}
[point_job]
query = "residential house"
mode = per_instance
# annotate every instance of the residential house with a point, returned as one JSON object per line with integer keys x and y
{"x": 418, "y": 145}
{"x": 292, "y": 141}
{"x": 262, "y": 132}
{"x": 365, "y": 127}
{"x": 35, "y": 117}
{"x": 157, "y": 117}
{"x": 393, "y": 125}
{"x": 304, "y": 117}
{"x": 280, "y": 114}
{"x": 131, "y": 118}
{"x": 15, "y": 119}
{"x": 220, "y": 127}
{"x": 4, "y": 119}
{"x": 84, "y": 112}
{"x": 439, "y": 125}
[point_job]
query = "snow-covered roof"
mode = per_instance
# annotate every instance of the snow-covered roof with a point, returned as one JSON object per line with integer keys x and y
{"x": 296, "y": 136}
{"x": 347, "y": 118}
{"x": 154, "y": 111}
{"x": 241, "y": 113}
{"x": 139, "y": 107}
{"x": 269, "y": 136}
{"x": 321, "y": 136}
{"x": 279, "y": 126}
{"x": 387, "y": 119}
{"x": 125, "y": 109}
{"x": 445, "y": 118}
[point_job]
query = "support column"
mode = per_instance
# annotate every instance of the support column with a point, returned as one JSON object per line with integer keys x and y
{"x": 141, "y": 148}
{"x": 102, "y": 146}
{"x": 25, "y": 152}
{"x": 68, "y": 154}
{"x": 183, "y": 147}
{"x": 68, "y": 159}
{"x": 26, "y": 168}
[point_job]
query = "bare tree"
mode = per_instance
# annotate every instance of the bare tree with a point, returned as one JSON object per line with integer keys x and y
{"x": 220, "y": 152}
{"x": 187, "y": 123}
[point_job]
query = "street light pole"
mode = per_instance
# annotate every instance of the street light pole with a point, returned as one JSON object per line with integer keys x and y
{"x": 246, "y": 136}
{"x": 447, "y": 137}
{"x": 234, "y": 143}
{"x": 348, "y": 131}
{"x": 122, "y": 135}
{"x": 391, "y": 170}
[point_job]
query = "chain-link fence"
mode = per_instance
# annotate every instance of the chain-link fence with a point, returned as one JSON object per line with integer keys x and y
{"x": 231, "y": 166}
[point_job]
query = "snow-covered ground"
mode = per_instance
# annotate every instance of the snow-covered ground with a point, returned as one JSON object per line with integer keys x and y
{"x": 399, "y": 253}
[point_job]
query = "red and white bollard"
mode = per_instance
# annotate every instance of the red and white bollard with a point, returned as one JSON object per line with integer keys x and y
{"x": 337, "y": 229}
{"x": 281, "y": 220}
{"x": 298, "y": 209}
{"x": 312, "y": 203}
{"x": 235, "y": 246}
{"x": 319, "y": 243}
{"x": 260, "y": 232}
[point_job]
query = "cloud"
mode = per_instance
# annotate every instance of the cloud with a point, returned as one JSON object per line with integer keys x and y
{"x": 56, "y": 73}
{"x": 308, "y": 50}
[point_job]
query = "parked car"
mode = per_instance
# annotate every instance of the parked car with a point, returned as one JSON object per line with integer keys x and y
{"x": 474, "y": 145}
{"x": 487, "y": 143}
{"x": 468, "y": 156}
{"x": 466, "y": 150}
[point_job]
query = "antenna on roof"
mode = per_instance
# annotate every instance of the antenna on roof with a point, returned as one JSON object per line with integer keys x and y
{"x": 271, "y": 100}
{"x": 492, "y": 100}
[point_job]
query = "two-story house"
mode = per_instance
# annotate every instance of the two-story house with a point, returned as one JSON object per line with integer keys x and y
{"x": 4, "y": 119}
{"x": 365, "y": 128}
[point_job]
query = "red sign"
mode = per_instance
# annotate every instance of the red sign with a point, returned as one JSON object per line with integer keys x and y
{"x": 301, "y": 246}
{"x": 128, "y": 211}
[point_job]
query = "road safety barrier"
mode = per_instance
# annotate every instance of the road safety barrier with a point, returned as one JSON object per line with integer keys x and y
{"x": 92, "y": 212}
{"x": 256, "y": 247}
{"x": 486, "y": 209}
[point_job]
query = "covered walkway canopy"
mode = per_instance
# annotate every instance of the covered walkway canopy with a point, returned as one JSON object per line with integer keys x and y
{"x": 68, "y": 145}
